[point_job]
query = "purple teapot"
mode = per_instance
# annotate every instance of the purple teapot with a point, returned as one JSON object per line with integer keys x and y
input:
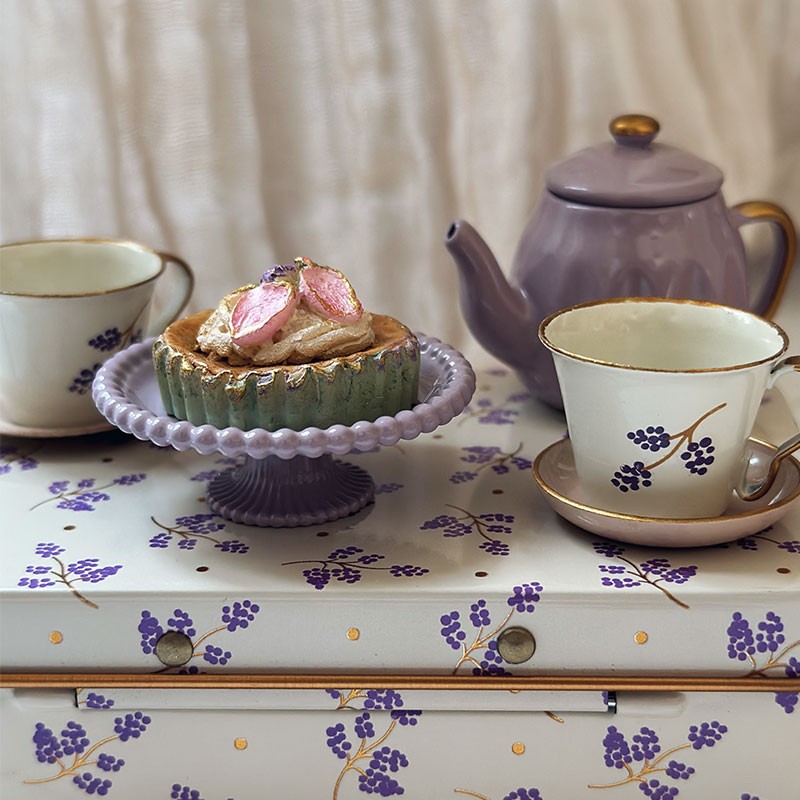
{"x": 623, "y": 218}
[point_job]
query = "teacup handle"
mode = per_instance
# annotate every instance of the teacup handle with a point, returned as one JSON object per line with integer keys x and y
{"x": 753, "y": 490}
{"x": 178, "y": 300}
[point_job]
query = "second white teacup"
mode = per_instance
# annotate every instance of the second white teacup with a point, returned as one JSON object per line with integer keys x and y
{"x": 661, "y": 397}
{"x": 66, "y": 306}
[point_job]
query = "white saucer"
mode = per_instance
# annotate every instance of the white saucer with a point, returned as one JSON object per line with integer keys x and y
{"x": 554, "y": 471}
{"x": 8, "y": 428}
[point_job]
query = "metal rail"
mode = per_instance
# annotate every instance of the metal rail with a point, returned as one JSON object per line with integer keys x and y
{"x": 572, "y": 683}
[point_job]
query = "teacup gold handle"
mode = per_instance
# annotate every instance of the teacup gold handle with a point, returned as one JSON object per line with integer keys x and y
{"x": 758, "y": 487}
{"x": 178, "y": 298}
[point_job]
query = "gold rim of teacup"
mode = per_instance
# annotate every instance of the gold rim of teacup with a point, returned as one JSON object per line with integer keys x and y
{"x": 88, "y": 240}
{"x": 547, "y": 489}
{"x": 663, "y": 301}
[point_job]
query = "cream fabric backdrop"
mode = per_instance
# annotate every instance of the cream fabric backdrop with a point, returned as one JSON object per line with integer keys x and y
{"x": 239, "y": 133}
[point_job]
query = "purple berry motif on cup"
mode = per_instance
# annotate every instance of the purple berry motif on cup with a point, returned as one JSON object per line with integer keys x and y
{"x": 764, "y": 648}
{"x": 654, "y": 769}
{"x": 74, "y": 756}
{"x": 108, "y": 341}
{"x": 697, "y": 456}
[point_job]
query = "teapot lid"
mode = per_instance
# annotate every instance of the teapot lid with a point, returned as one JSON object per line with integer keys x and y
{"x": 632, "y": 171}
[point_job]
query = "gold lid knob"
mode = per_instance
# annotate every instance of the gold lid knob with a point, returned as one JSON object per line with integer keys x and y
{"x": 634, "y": 129}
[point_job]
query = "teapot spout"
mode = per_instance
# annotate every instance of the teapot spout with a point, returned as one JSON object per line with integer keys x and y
{"x": 499, "y": 315}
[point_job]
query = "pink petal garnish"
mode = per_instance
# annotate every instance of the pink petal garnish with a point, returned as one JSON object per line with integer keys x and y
{"x": 326, "y": 291}
{"x": 261, "y": 312}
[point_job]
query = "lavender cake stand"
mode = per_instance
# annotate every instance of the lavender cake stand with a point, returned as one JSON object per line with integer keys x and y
{"x": 288, "y": 478}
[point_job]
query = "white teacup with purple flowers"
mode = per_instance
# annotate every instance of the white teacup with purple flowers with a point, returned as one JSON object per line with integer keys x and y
{"x": 661, "y": 397}
{"x": 66, "y": 306}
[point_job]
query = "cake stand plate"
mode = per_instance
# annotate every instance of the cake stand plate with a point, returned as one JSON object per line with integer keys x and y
{"x": 288, "y": 478}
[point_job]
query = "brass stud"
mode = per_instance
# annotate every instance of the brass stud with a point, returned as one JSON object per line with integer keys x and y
{"x": 353, "y": 634}
{"x": 240, "y": 744}
{"x": 518, "y": 748}
{"x": 56, "y": 637}
{"x": 174, "y": 648}
{"x": 516, "y": 645}
{"x": 640, "y": 637}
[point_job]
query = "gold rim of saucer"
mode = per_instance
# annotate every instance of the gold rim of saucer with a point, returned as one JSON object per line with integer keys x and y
{"x": 547, "y": 489}
{"x": 88, "y": 240}
{"x": 669, "y": 301}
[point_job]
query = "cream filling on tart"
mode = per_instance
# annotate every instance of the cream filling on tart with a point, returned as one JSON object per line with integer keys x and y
{"x": 305, "y": 337}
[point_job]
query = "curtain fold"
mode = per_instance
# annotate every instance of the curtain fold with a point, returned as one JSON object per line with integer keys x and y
{"x": 240, "y": 133}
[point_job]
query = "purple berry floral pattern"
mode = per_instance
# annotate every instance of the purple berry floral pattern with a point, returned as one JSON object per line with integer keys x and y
{"x": 85, "y": 495}
{"x": 108, "y": 341}
{"x": 366, "y": 752}
{"x": 697, "y": 456}
{"x": 486, "y": 525}
{"x": 515, "y": 794}
{"x": 73, "y": 743}
{"x": 348, "y": 565}
{"x": 180, "y": 791}
{"x": 97, "y": 702}
{"x": 57, "y": 570}
{"x": 489, "y": 412}
{"x": 233, "y": 617}
{"x": 655, "y": 572}
{"x": 752, "y": 542}
{"x": 494, "y": 458}
{"x": 644, "y": 757}
{"x": 11, "y": 458}
{"x": 482, "y": 654}
{"x": 188, "y": 530}
{"x": 765, "y": 649}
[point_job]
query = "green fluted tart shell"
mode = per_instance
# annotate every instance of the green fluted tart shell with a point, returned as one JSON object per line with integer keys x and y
{"x": 381, "y": 380}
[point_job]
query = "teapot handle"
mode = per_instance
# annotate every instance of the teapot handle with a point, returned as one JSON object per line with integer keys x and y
{"x": 762, "y": 211}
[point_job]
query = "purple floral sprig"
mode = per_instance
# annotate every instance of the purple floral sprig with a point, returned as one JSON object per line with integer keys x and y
{"x": 194, "y": 528}
{"x": 109, "y": 341}
{"x": 210, "y": 474}
{"x": 483, "y": 653}
{"x": 645, "y": 757}
{"x": 85, "y": 495}
{"x": 697, "y": 456}
{"x": 654, "y": 572}
{"x": 98, "y": 702}
{"x": 752, "y": 542}
{"x": 485, "y": 525}
{"x": 515, "y": 794}
{"x": 366, "y": 753}
{"x": 492, "y": 457}
{"x": 488, "y": 413}
{"x": 236, "y": 616}
{"x": 11, "y": 458}
{"x": 373, "y": 699}
{"x": 86, "y": 570}
{"x": 347, "y": 564}
{"x": 765, "y": 649}
{"x": 50, "y": 748}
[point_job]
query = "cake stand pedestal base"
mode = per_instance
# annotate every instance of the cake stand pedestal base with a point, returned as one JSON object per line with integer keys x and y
{"x": 273, "y": 492}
